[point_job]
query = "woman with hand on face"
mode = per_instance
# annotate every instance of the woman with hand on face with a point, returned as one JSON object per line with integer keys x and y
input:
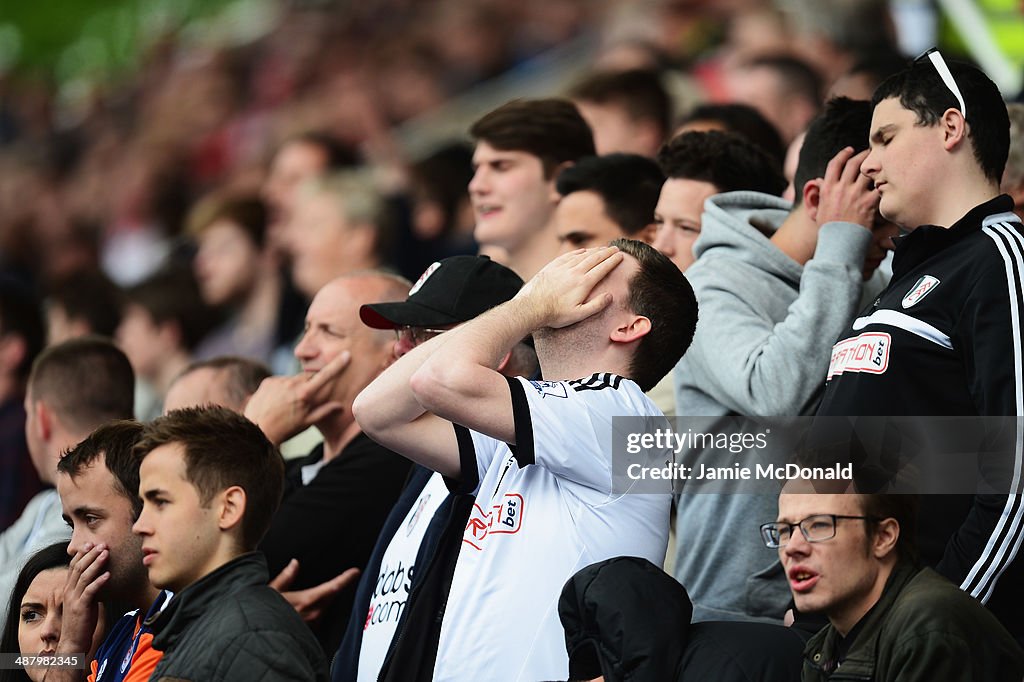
{"x": 33, "y": 623}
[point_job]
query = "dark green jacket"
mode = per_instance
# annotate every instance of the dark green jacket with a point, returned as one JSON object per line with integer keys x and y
{"x": 922, "y": 628}
{"x": 230, "y": 627}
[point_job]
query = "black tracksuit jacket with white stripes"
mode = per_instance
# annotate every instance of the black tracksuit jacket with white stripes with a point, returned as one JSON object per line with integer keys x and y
{"x": 945, "y": 338}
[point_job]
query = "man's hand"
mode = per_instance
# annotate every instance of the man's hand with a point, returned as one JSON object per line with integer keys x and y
{"x": 310, "y": 603}
{"x": 86, "y": 576}
{"x": 845, "y": 194}
{"x": 560, "y": 294}
{"x": 284, "y": 406}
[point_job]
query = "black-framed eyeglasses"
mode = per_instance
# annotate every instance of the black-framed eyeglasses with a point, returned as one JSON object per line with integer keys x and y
{"x": 416, "y": 335}
{"x": 935, "y": 57}
{"x": 815, "y": 528}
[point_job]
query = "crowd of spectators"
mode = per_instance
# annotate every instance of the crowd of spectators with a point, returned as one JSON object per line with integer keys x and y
{"x": 281, "y": 243}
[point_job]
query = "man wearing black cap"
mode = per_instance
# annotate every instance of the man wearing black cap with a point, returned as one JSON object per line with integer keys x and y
{"x": 407, "y": 577}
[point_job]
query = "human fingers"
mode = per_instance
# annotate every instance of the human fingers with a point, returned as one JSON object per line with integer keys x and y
{"x": 851, "y": 170}
{"x": 283, "y": 580}
{"x": 328, "y": 372}
{"x": 837, "y": 165}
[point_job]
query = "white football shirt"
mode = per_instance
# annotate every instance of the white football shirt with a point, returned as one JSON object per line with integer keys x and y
{"x": 544, "y": 510}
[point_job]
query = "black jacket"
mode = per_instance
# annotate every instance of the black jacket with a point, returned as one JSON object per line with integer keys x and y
{"x": 626, "y": 619}
{"x": 331, "y": 524}
{"x": 228, "y": 626}
{"x": 946, "y": 339}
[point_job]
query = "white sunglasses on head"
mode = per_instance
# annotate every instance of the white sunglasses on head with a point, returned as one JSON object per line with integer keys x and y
{"x": 947, "y": 77}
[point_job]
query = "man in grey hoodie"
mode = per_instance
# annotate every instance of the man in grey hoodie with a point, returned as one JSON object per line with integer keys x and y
{"x": 777, "y": 284}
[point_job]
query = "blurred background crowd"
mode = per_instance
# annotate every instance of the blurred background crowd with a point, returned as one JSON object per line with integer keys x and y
{"x": 154, "y": 161}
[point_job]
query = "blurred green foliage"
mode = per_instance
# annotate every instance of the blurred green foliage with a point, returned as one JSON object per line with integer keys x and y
{"x": 88, "y": 38}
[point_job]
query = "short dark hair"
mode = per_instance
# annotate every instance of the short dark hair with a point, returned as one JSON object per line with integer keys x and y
{"x": 745, "y": 121}
{"x": 661, "y": 293}
{"x": 726, "y": 160}
{"x": 903, "y": 508}
{"x": 798, "y": 77}
{"x": 628, "y": 184}
{"x": 248, "y": 212}
{"x": 223, "y": 449}
{"x": 91, "y": 296}
{"x": 550, "y": 129}
{"x": 21, "y": 314}
{"x": 920, "y": 89}
{"x": 172, "y": 295}
{"x": 879, "y": 65}
{"x": 844, "y": 123}
{"x": 640, "y": 92}
{"x": 87, "y": 381}
{"x": 114, "y": 440}
{"x": 242, "y": 375}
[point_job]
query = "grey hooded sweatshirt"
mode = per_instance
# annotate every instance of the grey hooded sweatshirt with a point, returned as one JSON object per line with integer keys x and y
{"x": 762, "y": 348}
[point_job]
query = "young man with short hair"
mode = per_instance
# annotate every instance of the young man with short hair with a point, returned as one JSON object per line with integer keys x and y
{"x": 608, "y": 323}
{"x": 778, "y": 282}
{"x": 605, "y": 198}
{"x": 852, "y": 558}
{"x": 73, "y": 388}
{"x": 697, "y": 166}
{"x": 520, "y": 149}
{"x": 629, "y": 111}
{"x": 98, "y": 482}
{"x": 210, "y": 482}
{"x": 946, "y": 332}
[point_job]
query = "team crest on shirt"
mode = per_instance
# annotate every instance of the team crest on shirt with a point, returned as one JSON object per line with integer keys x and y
{"x": 424, "y": 277}
{"x": 553, "y": 388}
{"x": 504, "y": 517}
{"x": 921, "y": 288}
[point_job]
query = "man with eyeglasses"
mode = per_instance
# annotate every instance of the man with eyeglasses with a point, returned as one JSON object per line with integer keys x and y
{"x": 945, "y": 337}
{"x": 853, "y": 559}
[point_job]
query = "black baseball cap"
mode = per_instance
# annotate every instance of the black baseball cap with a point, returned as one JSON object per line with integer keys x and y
{"x": 450, "y": 291}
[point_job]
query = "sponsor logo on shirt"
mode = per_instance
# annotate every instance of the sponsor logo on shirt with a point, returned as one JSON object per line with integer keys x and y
{"x": 503, "y": 517}
{"x": 921, "y": 288}
{"x": 551, "y": 388}
{"x": 868, "y": 352}
{"x": 389, "y": 594}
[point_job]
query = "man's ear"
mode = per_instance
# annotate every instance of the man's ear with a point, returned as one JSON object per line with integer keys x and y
{"x": 634, "y": 330}
{"x": 812, "y": 197}
{"x": 232, "y": 508}
{"x": 954, "y": 129}
{"x": 45, "y": 419}
{"x": 887, "y": 533}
